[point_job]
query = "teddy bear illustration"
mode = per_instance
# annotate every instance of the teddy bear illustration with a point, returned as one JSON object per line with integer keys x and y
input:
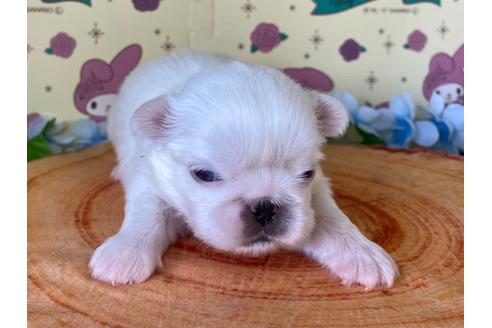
{"x": 446, "y": 77}
{"x": 100, "y": 81}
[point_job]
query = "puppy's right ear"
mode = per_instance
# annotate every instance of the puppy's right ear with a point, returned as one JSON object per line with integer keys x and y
{"x": 152, "y": 119}
{"x": 333, "y": 117}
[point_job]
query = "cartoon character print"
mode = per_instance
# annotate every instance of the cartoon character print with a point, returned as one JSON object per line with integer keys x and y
{"x": 310, "y": 78}
{"x": 446, "y": 77}
{"x": 100, "y": 81}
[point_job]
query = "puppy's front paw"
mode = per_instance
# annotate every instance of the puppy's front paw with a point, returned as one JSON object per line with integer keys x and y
{"x": 123, "y": 260}
{"x": 366, "y": 264}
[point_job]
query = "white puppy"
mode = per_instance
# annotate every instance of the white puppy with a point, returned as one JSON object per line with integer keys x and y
{"x": 231, "y": 152}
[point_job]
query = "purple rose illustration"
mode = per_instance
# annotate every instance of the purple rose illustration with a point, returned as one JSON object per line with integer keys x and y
{"x": 61, "y": 45}
{"x": 350, "y": 50}
{"x": 265, "y": 37}
{"x": 416, "y": 41}
{"x": 146, "y": 5}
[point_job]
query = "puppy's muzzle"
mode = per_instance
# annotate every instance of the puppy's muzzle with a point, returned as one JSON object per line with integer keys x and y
{"x": 264, "y": 212}
{"x": 264, "y": 220}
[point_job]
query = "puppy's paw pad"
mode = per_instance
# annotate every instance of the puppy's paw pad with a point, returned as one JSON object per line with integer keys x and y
{"x": 121, "y": 261}
{"x": 368, "y": 265}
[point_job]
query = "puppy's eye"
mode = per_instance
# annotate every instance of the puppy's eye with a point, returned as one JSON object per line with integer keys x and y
{"x": 307, "y": 175}
{"x": 204, "y": 175}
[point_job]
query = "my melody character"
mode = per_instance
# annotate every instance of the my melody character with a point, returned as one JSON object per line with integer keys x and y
{"x": 446, "y": 77}
{"x": 100, "y": 81}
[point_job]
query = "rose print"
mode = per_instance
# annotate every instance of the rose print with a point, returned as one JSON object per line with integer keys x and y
{"x": 146, "y": 5}
{"x": 416, "y": 41}
{"x": 265, "y": 37}
{"x": 350, "y": 50}
{"x": 61, "y": 45}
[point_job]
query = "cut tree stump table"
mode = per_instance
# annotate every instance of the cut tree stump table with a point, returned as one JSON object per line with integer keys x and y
{"x": 409, "y": 202}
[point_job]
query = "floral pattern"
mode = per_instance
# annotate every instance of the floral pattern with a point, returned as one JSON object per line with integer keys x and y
{"x": 61, "y": 45}
{"x": 350, "y": 50}
{"x": 312, "y": 51}
{"x": 416, "y": 41}
{"x": 146, "y": 5}
{"x": 394, "y": 124}
{"x": 446, "y": 126}
{"x": 46, "y": 137}
{"x": 265, "y": 37}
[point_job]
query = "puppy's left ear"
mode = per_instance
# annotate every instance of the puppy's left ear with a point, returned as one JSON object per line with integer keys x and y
{"x": 152, "y": 120}
{"x": 333, "y": 117}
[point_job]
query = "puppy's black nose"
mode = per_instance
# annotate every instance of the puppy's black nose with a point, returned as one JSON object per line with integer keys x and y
{"x": 264, "y": 212}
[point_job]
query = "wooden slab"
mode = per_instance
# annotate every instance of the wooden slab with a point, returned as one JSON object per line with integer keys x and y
{"x": 409, "y": 202}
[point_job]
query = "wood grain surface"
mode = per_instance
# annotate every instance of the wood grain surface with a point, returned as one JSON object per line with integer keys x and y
{"x": 411, "y": 203}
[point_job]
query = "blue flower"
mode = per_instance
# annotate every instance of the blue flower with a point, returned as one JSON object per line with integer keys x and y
{"x": 64, "y": 137}
{"x": 392, "y": 124}
{"x": 35, "y": 125}
{"x": 444, "y": 128}
{"x": 45, "y": 136}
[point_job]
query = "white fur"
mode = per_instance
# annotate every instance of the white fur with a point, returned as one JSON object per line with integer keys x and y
{"x": 258, "y": 130}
